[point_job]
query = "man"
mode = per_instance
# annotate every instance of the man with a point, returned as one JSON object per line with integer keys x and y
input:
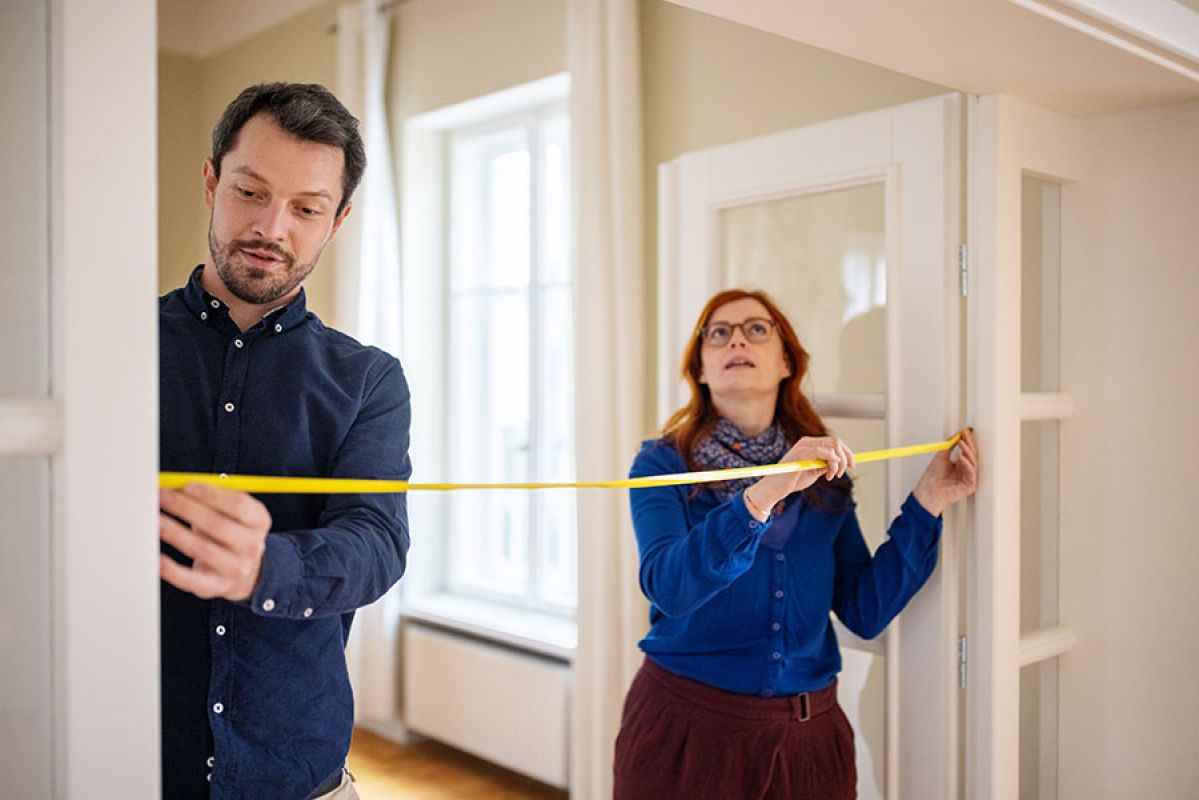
{"x": 258, "y": 594}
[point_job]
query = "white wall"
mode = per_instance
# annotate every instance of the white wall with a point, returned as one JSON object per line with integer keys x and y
{"x": 1130, "y": 314}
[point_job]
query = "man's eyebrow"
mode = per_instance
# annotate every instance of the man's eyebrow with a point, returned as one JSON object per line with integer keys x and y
{"x": 252, "y": 174}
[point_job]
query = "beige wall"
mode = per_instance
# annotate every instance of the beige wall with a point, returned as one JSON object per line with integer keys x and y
{"x": 192, "y": 95}
{"x": 710, "y": 82}
{"x": 1129, "y": 551}
{"x": 447, "y": 51}
{"x": 182, "y": 147}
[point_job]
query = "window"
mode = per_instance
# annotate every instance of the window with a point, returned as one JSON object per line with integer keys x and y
{"x": 510, "y": 374}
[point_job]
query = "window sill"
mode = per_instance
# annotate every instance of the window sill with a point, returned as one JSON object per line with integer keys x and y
{"x": 531, "y": 631}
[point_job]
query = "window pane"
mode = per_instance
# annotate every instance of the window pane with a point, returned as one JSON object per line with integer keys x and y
{"x": 512, "y": 367}
{"x": 1039, "y": 455}
{"x": 25, "y": 627}
{"x": 822, "y": 258}
{"x": 490, "y": 210}
{"x": 557, "y": 548}
{"x": 1038, "y": 731}
{"x": 555, "y": 201}
{"x": 24, "y": 271}
{"x": 555, "y": 457}
{"x": 1040, "y": 328}
{"x": 489, "y": 436}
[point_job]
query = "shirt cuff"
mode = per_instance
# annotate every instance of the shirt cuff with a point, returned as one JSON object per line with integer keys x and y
{"x": 920, "y": 513}
{"x": 747, "y": 521}
{"x": 277, "y": 579}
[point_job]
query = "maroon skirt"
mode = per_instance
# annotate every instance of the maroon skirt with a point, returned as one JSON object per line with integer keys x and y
{"x": 683, "y": 739}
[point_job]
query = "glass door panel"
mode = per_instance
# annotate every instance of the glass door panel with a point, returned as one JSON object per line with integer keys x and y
{"x": 821, "y": 256}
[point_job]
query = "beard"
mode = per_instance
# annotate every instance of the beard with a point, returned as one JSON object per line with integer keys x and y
{"x": 252, "y": 284}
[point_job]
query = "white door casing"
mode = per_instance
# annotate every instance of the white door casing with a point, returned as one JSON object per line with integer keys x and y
{"x": 914, "y": 151}
{"x": 1008, "y": 140}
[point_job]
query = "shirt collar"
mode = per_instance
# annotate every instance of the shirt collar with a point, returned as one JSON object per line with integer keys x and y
{"x": 208, "y": 308}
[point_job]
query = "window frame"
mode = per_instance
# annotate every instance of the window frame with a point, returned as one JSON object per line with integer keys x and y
{"x": 532, "y": 118}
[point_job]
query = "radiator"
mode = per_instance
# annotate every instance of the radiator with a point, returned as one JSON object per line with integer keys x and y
{"x": 505, "y": 706}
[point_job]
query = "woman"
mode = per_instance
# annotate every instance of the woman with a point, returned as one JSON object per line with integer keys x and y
{"x": 737, "y": 695}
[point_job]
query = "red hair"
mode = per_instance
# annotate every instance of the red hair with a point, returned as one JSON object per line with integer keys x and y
{"x": 688, "y": 426}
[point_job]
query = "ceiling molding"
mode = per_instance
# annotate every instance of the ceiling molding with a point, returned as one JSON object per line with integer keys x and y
{"x": 201, "y": 28}
{"x": 1105, "y": 59}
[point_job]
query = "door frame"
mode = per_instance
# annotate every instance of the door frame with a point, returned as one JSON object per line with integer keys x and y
{"x": 914, "y": 149}
{"x": 1008, "y": 139}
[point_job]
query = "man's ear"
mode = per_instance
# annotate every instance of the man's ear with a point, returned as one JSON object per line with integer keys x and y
{"x": 345, "y": 212}
{"x": 210, "y": 182}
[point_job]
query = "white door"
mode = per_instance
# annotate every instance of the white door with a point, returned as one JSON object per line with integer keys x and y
{"x": 79, "y": 662}
{"x": 853, "y": 226}
{"x": 1022, "y": 163}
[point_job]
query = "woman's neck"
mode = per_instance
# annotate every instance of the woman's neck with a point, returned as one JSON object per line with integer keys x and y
{"x": 751, "y": 414}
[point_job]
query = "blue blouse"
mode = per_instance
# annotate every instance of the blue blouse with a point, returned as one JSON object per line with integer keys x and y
{"x": 743, "y": 605}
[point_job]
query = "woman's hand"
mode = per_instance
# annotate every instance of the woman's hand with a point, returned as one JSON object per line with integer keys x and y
{"x": 948, "y": 479}
{"x": 764, "y": 494}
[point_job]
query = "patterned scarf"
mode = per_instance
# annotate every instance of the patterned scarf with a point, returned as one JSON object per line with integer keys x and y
{"x": 726, "y": 446}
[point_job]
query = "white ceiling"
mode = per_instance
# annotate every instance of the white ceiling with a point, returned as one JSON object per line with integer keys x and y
{"x": 1033, "y": 49}
{"x": 200, "y": 28}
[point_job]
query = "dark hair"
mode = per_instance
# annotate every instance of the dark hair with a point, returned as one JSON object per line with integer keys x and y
{"x": 307, "y": 111}
{"x": 688, "y": 426}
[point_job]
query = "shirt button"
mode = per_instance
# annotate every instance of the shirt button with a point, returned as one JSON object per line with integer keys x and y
{"x": 203, "y": 315}
{"x": 776, "y": 627}
{"x": 215, "y": 304}
{"x": 753, "y": 524}
{"x": 768, "y": 693}
{"x": 218, "y": 708}
{"x": 238, "y": 343}
{"x": 278, "y": 328}
{"x": 780, "y": 557}
{"x": 229, "y": 407}
{"x": 778, "y": 593}
{"x": 210, "y": 761}
{"x": 268, "y": 604}
{"x": 209, "y": 776}
{"x": 776, "y": 655}
{"x": 220, "y": 630}
{"x": 308, "y": 612}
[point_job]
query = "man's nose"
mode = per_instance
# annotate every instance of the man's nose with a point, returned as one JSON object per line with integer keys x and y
{"x": 271, "y": 224}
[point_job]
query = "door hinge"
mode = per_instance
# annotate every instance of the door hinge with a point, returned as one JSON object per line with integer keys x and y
{"x": 964, "y": 267}
{"x": 962, "y": 662}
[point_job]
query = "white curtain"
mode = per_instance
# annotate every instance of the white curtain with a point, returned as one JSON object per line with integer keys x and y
{"x": 603, "y": 58}
{"x": 368, "y": 248}
{"x": 369, "y": 308}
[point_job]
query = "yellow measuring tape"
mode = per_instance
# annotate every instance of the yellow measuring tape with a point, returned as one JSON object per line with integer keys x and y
{"x": 261, "y": 484}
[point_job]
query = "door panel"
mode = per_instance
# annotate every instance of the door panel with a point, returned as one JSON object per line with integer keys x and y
{"x": 852, "y": 225}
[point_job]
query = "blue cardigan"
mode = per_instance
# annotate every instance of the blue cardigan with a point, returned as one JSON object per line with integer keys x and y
{"x": 743, "y": 605}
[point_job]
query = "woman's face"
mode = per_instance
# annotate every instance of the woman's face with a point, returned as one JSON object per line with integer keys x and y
{"x": 738, "y": 367}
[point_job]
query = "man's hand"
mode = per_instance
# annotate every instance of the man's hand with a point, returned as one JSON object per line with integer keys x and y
{"x": 223, "y": 532}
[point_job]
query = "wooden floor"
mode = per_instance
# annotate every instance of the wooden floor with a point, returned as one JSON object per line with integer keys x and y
{"x": 431, "y": 771}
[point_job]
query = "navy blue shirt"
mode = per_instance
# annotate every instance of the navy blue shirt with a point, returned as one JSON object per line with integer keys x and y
{"x": 256, "y": 698}
{"x": 743, "y": 605}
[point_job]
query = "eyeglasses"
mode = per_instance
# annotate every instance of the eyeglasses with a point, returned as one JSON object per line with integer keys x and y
{"x": 754, "y": 329}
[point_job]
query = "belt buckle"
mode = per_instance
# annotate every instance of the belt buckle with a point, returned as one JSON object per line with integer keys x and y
{"x": 804, "y": 701}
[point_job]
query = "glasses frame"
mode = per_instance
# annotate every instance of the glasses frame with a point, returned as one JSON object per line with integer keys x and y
{"x": 732, "y": 326}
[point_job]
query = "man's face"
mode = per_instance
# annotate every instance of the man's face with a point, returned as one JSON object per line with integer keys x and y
{"x": 273, "y": 210}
